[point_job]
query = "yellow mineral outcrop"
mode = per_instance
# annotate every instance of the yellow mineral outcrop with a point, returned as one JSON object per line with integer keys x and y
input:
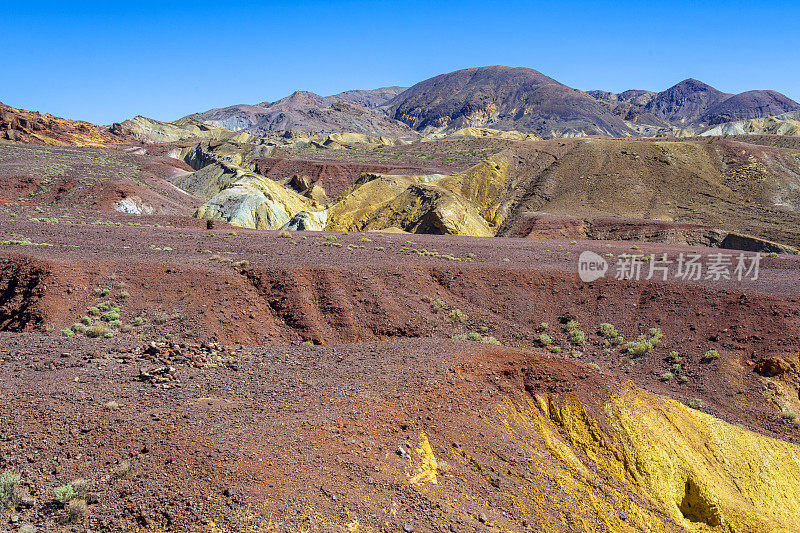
{"x": 699, "y": 471}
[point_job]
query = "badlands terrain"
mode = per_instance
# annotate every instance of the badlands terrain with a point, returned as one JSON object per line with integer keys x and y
{"x": 363, "y": 312}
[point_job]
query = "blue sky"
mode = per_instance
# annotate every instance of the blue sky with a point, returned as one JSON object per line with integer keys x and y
{"x": 107, "y": 61}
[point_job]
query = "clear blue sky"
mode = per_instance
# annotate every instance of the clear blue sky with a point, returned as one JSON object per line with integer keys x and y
{"x": 107, "y": 61}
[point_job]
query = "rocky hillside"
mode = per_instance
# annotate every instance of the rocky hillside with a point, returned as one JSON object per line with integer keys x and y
{"x": 306, "y": 111}
{"x": 503, "y": 98}
{"x": 693, "y": 105}
{"x": 34, "y": 127}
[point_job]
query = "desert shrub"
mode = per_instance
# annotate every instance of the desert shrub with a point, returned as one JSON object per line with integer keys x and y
{"x": 64, "y": 493}
{"x": 545, "y": 339}
{"x": 555, "y": 349}
{"x": 108, "y": 335}
{"x": 93, "y": 311}
{"x": 67, "y": 332}
{"x": 283, "y": 234}
{"x": 675, "y": 357}
{"x": 789, "y": 414}
{"x": 124, "y": 294}
{"x": 139, "y": 321}
{"x": 543, "y": 326}
{"x": 76, "y": 510}
{"x": 483, "y": 329}
{"x": 127, "y": 328}
{"x": 572, "y": 324}
{"x": 438, "y": 303}
{"x": 115, "y": 323}
{"x": 682, "y": 379}
{"x": 576, "y": 336}
{"x": 9, "y": 486}
{"x": 645, "y": 343}
{"x": 122, "y": 470}
{"x": 98, "y": 329}
{"x": 242, "y": 265}
{"x": 308, "y": 343}
{"x": 616, "y": 341}
{"x": 710, "y": 355}
{"x": 77, "y": 327}
{"x": 608, "y": 330}
{"x": 696, "y": 403}
{"x": 457, "y": 316}
{"x": 110, "y": 316}
{"x": 427, "y": 299}
{"x": 103, "y": 307}
{"x": 100, "y": 291}
{"x": 331, "y": 238}
{"x": 86, "y": 320}
{"x": 666, "y": 376}
{"x": 82, "y": 487}
{"x": 364, "y": 239}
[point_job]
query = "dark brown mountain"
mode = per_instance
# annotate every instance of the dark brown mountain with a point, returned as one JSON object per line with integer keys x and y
{"x": 685, "y": 102}
{"x": 503, "y": 98}
{"x": 692, "y": 103}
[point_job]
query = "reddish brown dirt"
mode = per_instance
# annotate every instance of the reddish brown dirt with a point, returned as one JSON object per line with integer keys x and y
{"x": 299, "y": 434}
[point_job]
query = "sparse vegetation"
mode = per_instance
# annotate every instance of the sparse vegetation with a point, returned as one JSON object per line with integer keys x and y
{"x": 696, "y": 403}
{"x": 645, "y": 343}
{"x": 710, "y": 355}
{"x": 475, "y": 336}
{"x": 64, "y": 493}
{"x": 666, "y": 376}
{"x": 545, "y": 339}
{"x": 9, "y": 487}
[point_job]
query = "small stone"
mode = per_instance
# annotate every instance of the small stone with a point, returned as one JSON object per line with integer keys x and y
{"x": 400, "y": 451}
{"x": 408, "y": 528}
{"x": 482, "y": 518}
{"x": 27, "y": 502}
{"x": 623, "y": 515}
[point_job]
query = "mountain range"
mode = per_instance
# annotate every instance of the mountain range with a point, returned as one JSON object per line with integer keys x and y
{"x": 502, "y": 98}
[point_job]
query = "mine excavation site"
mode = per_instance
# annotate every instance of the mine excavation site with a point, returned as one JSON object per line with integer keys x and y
{"x": 483, "y": 302}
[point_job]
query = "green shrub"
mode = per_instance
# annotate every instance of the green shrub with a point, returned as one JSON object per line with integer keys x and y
{"x": 86, "y": 320}
{"x": 710, "y": 355}
{"x": 543, "y": 326}
{"x": 93, "y": 311}
{"x": 9, "y": 485}
{"x": 545, "y": 339}
{"x": 98, "y": 329}
{"x": 64, "y": 493}
{"x": 283, "y": 234}
{"x": 608, "y": 330}
{"x": 124, "y": 294}
{"x": 555, "y": 349}
{"x": 110, "y": 316}
{"x": 666, "y": 376}
{"x": 457, "y": 316}
{"x": 696, "y": 403}
{"x": 576, "y": 336}
{"x": 683, "y": 379}
{"x": 330, "y": 238}
{"x": 308, "y": 343}
{"x": 572, "y": 324}
{"x": 139, "y": 321}
{"x": 67, "y": 332}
